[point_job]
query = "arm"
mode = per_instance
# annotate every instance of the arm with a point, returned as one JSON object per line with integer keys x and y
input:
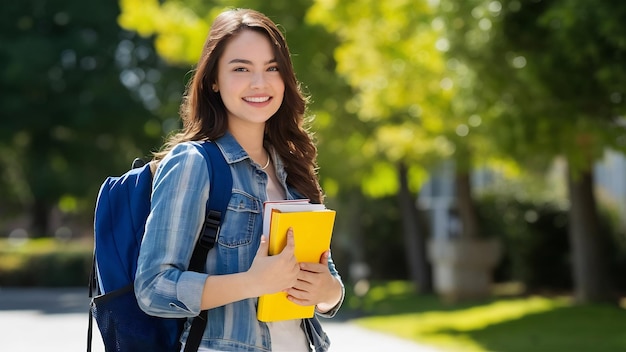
{"x": 163, "y": 285}
{"x": 267, "y": 274}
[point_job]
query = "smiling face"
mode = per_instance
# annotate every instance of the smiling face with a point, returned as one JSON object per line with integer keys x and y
{"x": 248, "y": 80}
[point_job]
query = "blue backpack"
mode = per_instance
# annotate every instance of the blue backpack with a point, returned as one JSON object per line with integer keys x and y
{"x": 122, "y": 208}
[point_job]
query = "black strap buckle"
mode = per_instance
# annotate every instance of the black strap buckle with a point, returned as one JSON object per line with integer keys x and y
{"x": 210, "y": 230}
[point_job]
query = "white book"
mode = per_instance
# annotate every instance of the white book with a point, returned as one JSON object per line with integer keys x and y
{"x": 286, "y": 206}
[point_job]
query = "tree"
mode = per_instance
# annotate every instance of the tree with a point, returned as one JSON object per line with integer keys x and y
{"x": 388, "y": 54}
{"x": 69, "y": 117}
{"x": 553, "y": 73}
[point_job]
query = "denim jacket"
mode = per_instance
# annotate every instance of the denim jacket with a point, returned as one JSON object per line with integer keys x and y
{"x": 163, "y": 285}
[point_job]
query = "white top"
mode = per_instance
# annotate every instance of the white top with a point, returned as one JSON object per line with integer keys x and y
{"x": 287, "y": 335}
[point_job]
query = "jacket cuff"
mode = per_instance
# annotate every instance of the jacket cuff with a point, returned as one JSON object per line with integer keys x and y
{"x": 189, "y": 290}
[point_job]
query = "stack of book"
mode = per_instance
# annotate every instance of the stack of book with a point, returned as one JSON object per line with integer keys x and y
{"x": 312, "y": 226}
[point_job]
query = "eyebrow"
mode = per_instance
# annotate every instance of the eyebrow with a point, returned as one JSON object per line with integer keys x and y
{"x": 248, "y": 62}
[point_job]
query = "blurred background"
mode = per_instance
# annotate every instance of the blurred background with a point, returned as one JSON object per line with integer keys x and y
{"x": 473, "y": 150}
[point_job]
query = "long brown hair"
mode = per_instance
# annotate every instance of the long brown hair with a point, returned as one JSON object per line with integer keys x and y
{"x": 204, "y": 115}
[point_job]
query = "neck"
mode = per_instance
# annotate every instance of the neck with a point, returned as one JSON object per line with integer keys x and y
{"x": 251, "y": 139}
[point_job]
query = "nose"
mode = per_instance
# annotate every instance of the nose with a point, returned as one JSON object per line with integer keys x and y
{"x": 258, "y": 80}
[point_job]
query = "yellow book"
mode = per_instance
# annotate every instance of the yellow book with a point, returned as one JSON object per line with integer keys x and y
{"x": 312, "y": 233}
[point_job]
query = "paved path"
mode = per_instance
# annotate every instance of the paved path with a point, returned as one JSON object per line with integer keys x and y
{"x": 55, "y": 320}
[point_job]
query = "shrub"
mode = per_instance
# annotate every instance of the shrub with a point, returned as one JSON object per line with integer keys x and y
{"x": 536, "y": 241}
{"x": 45, "y": 262}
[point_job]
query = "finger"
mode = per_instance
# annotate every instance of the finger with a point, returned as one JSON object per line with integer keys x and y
{"x": 312, "y": 267}
{"x": 291, "y": 243}
{"x": 298, "y": 301}
{"x": 297, "y": 296}
{"x": 303, "y": 283}
{"x": 303, "y": 276}
{"x": 324, "y": 257}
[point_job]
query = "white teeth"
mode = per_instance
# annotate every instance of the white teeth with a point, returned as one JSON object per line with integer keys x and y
{"x": 257, "y": 99}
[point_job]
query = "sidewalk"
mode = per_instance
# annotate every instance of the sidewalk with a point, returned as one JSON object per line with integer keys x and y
{"x": 55, "y": 320}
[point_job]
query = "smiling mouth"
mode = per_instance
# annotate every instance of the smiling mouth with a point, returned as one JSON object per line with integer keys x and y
{"x": 256, "y": 99}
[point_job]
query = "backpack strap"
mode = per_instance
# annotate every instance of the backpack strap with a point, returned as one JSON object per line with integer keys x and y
{"x": 220, "y": 192}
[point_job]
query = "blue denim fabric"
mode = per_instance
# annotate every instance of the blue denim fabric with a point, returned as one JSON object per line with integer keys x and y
{"x": 163, "y": 286}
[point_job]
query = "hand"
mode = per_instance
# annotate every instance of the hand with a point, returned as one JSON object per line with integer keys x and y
{"x": 316, "y": 285}
{"x": 271, "y": 274}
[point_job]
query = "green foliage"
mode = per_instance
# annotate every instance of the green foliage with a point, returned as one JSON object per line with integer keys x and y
{"x": 395, "y": 67}
{"x": 550, "y": 71}
{"x": 45, "y": 263}
{"x": 387, "y": 53}
{"x": 64, "y": 106}
{"x": 80, "y": 101}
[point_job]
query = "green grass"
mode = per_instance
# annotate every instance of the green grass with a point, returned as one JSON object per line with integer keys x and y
{"x": 517, "y": 324}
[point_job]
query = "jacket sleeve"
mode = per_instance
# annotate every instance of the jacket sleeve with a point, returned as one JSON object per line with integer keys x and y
{"x": 163, "y": 285}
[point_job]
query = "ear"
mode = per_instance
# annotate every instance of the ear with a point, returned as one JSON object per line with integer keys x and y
{"x": 215, "y": 87}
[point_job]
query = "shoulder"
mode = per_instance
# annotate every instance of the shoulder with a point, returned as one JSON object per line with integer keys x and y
{"x": 186, "y": 148}
{"x": 184, "y": 160}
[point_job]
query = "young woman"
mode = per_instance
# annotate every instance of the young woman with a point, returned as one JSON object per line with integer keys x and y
{"x": 244, "y": 97}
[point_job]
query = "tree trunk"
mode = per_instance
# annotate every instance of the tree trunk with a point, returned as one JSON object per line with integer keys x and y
{"x": 414, "y": 235}
{"x": 588, "y": 265}
{"x": 359, "y": 268}
{"x": 465, "y": 205}
{"x": 40, "y": 219}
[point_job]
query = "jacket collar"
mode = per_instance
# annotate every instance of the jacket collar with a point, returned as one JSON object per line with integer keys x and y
{"x": 233, "y": 153}
{"x": 231, "y": 149}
